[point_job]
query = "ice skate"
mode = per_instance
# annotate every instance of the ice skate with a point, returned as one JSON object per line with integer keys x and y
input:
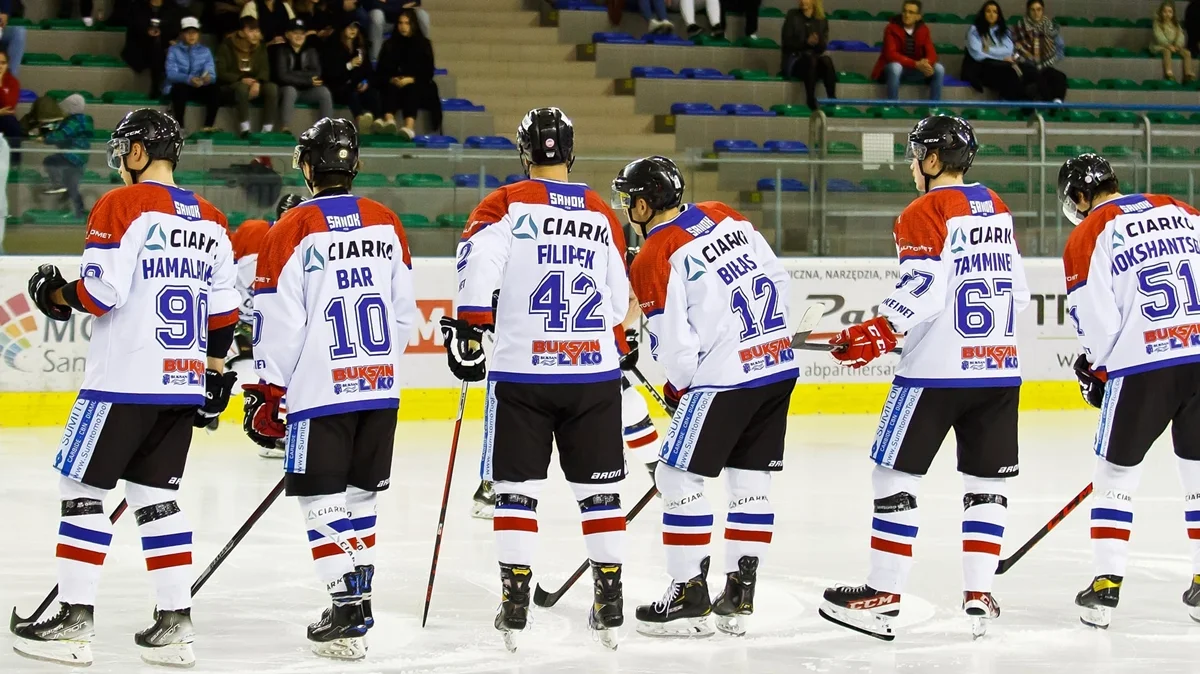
{"x": 736, "y": 601}
{"x": 66, "y": 637}
{"x": 1098, "y": 600}
{"x": 484, "y": 505}
{"x": 682, "y": 612}
{"x": 277, "y": 452}
{"x": 514, "y": 603}
{"x": 339, "y": 633}
{"x": 367, "y": 573}
{"x": 1192, "y": 599}
{"x": 608, "y": 605}
{"x": 862, "y": 609}
{"x": 981, "y": 608}
{"x": 169, "y": 640}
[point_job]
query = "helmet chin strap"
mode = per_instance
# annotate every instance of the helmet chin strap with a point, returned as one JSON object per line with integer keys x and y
{"x": 930, "y": 178}
{"x": 641, "y": 225}
{"x": 134, "y": 174}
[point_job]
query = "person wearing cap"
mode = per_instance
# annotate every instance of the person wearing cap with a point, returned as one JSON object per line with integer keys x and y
{"x": 348, "y": 74}
{"x": 298, "y": 72}
{"x": 191, "y": 75}
{"x": 244, "y": 74}
{"x": 74, "y": 134}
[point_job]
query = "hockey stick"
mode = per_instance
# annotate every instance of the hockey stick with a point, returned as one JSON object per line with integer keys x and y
{"x": 237, "y": 537}
{"x": 818, "y": 346}
{"x": 653, "y": 391}
{"x": 548, "y": 599}
{"x": 16, "y": 621}
{"x": 1007, "y": 563}
{"x": 437, "y": 542}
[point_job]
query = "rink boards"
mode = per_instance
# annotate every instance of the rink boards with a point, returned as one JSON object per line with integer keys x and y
{"x": 42, "y": 362}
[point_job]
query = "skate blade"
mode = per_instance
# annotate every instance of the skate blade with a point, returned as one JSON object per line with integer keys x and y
{"x": 482, "y": 511}
{"x": 697, "y": 628}
{"x": 271, "y": 453}
{"x": 73, "y": 653}
{"x": 609, "y": 637}
{"x": 979, "y": 626}
{"x": 172, "y": 655}
{"x": 510, "y": 640}
{"x": 733, "y": 624}
{"x": 1194, "y": 613}
{"x": 352, "y": 648}
{"x": 1098, "y": 617}
{"x": 877, "y": 625}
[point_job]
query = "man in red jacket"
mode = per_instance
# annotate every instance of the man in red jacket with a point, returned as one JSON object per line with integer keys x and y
{"x": 908, "y": 55}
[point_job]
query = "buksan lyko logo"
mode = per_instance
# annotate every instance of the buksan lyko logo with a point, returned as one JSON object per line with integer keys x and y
{"x": 18, "y": 328}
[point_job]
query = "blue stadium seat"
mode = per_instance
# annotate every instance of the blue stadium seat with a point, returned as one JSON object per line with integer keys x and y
{"x": 513, "y": 178}
{"x": 440, "y": 71}
{"x": 850, "y": 45}
{"x": 726, "y": 145}
{"x": 653, "y": 72}
{"x": 952, "y": 81}
{"x": 785, "y": 185}
{"x": 693, "y": 109}
{"x": 490, "y": 143}
{"x": 460, "y": 105}
{"x": 27, "y": 96}
{"x": 786, "y": 146}
{"x": 843, "y": 185}
{"x": 704, "y": 74}
{"x": 472, "y": 180}
{"x": 614, "y": 38}
{"x": 745, "y": 110}
{"x": 434, "y": 141}
{"x": 579, "y": 5}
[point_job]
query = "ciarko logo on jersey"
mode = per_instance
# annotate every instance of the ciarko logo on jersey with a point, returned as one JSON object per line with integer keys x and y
{"x": 156, "y": 239}
{"x": 1118, "y": 240}
{"x": 313, "y": 260}
{"x": 525, "y": 228}
{"x": 958, "y": 241}
{"x": 693, "y": 268}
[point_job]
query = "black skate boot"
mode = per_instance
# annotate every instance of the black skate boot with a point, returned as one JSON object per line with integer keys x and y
{"x": 862, "y": 609}
{"x": 483, "y": 506}
{"x": 1097, "y": 602}
{"x": 1192, "y": 599}
{"x": 66, "y": 637}
{"x": 608, "y": 604}
{"x": 682, "y": 612}
{"x": 737, "y": 599}
{"x": 367, "y": 572}
{"x": 981, "y": 608}
{"x": 514, "y": 602}
{"x": 169, "y": 640}
{"x": 339, "y": 633}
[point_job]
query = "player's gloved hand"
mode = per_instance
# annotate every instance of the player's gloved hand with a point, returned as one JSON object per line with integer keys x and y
{"x": 45, "y": 281}
{"x": 672, "y": 396}
{"x": 631, "y": 252}
{"x": 863, "y": 343}
{"x": 464, "y": 349}
{"x": 263, "y": 423}
{"x": 629, "y": 359}
{"x": 1091, "y": 385}
{"x": 217, "y": 387}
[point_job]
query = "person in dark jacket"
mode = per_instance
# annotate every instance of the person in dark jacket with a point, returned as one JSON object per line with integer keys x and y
{"x": 274, "y": 18}
{"x": 65, "y": 169}
{"x": 991, "y": 62}
{"x": 298, "y": 72}
{"x": 405, "y": 77}
{"x": 348, "y": 75}
{"x": 245, "y": 75}
{"x": 153, "y": 25}
{"x": 192, "y": 75}
{"x": 805, "y": 37}
{"x": 908, "y": 54}
{"x": 749, "y": 10}
{"x": 1039, "y": 47}
{"x": 386, "y": 13}
{"x": 1191, "y": 24}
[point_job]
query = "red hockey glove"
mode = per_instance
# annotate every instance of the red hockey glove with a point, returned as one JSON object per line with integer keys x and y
{"x": 672, "y": 396}
{"x": 863, "y": 343}
{"x": 262, "y": 422}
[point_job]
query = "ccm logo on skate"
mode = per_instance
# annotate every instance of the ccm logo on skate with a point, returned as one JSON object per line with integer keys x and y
{"x": 1174, "y": 337}
{"x": 182, "y": 371}
{"x": 573, "y": 352}
{"x": 363, "y": 378}
{"x": 606, "y": 475}
{"x": 767, "y": 355}
{"x": 989, "y": 357}
{"x": 873, "y": 602}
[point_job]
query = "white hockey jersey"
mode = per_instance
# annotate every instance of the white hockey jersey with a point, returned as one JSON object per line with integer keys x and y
{"x": 557, "y": 254}
{"x": 716, "y": 301}
{"x": 962, "y": 284}
{"x": 247, "y": 241}
{"x": 334, "y": 306}
{"x": 1133, "y": 284}
{"x": 157, "y": 271}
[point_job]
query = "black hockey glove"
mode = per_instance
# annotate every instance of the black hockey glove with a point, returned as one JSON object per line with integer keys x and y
{"x": 1090, "y": 385}
{"x": 629, "y": 359}
{"x": 464, "y": 349}
{"x": 45, "y": 281}
{"x": 217, "y": 387}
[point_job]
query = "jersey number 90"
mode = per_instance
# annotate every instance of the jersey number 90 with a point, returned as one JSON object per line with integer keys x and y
{"x": 184, "y": 314}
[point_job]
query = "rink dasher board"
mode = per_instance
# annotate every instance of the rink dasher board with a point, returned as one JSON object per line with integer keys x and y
{"x": 41, "y": 362}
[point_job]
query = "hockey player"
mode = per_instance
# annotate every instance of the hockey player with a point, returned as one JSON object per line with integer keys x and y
{"x": 715, "y": 300}
{"x": 1131, "y": 269}
{"x": 334, "y": 299}
{"x": 157, "y": 272}
{"x": 557, "y": 253}
{"x": 962, "y": 283}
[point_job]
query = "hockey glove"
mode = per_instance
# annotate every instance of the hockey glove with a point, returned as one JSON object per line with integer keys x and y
{"x": 672, "y": 396}
{"x": 217, "y": 387}
{"x": 863, "y": 343}
{"x": 262, "y": 422}
{"x": 464, "y": 349}
{"x": 629, "y": 359}
{"x": 45, "y": 281}
{"x": 1091, "y": 386}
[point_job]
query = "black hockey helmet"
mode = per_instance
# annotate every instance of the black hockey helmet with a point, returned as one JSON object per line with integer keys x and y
{"x": 655, "y": 179}
{"x": 157, "y": 132}
{"x": 286, "y": 203}
{"x": 546, "y": 137}
{"x": 951, "y": 137}
{"x": 329, "y": 146}
{"x": 1082, "y": 176}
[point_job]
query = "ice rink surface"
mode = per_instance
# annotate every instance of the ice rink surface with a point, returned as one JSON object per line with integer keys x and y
{"x": 252, "y": 614}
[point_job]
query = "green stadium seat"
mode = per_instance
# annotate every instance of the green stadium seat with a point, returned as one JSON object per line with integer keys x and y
{"x": 784, "y": 110}
{"x": 1073, "y": 21}
{"x": 1080, "y": 83}
{"x": 93, "y": 178}
{"x": 1116, "y": 152}
{"x": 706, "y": 40}
{"x": 29, "y": 176}
{"x": 947, "y": 48}
{"x": 1177, "y": 189}
{"x": 1018, "y": 150}
{"x": 885, "y": 15}
{"x": 198, "y": 179}
{"x": 63, "y": 24}
{"x": 1116, "y": 53}
{"x": 236, "y": 218}
{"x": 1013, "y": 187}
{"x": 984, "y": 114}
{"x": 852, "y": 78}
{"x": 1161, "y": 85}
{"x": 850, "y": 15}
{"x": 1073, "y": 150}
{"x": 990, "y": 150}
{"x": 1118, "y": 84}
{"x": 770, "y": 13}
{"x": 39, "y": 59}
{"x": 887, "y": 112}
{"x": 420, "y": 180}
{"x": 838, "y": 147}
{"x": 844, "y": 112}
{"x": 923, "y": 112}
{"x": 37, "y": 216}
{"x": 1120, "y": 117}
{"x": 753, "y": 75}
{"x": 944, "y": 17}
{"x": 133, "y": 99}
{"x": 757, "y": 43}
{"x": 453, "y": 220}
{"x": 224, "y": 138}
{"x": 59, "y": 94}
{"x": 101, "y": 135}
{"x": 273, "y": 139}
{"x": 1171, "y": 153}
{"x": 385, "y": 141}
{"x": 1112, "y": 22}
{"x": 884, "y": 185}
{"x": 22, "y": 21}
{"x": 414, "y": 220}
{"x": 97, "y": 61}
{"x": 1074, "y": 116}
{"x": 1168, "y": 118}
{"x": 371, "y": 180}
{"x": 1145, "y": 22}
{"x": 1079, "y": 52}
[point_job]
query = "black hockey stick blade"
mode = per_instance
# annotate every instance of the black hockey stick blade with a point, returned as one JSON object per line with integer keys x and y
{"x": 437, "y": 541}
{"x": 547, "y": 599}
{"x": 1007, "y": 563}
{"x": 16, "y": 622}
{"x": 237, "y": 537}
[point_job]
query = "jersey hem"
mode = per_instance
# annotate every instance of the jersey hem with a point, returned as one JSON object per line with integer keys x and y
{"x": 986, "y": 382}
{"x": 1157, "y": 365}
{"x": 783, "y": 375}
{"x": 530, "y": 378}
{"x": 196, "y": 399}
{"x": 342, "y": 408}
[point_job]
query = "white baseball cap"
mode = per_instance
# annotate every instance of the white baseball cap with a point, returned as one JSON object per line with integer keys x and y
{"x": 189, "y": 22}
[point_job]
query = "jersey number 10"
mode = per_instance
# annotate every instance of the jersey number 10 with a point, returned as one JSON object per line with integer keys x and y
{"x": 369, "y": 320}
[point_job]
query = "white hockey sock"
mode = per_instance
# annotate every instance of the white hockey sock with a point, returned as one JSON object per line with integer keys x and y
{"x": 331, "y": 537}
{"x": 84, "y": 534}
{"x": 893, "y": 528}
{"x": 1189, "y": 475}
{"x": 603, "y": 521}
{"x": 750, "y": 520}
{"x": 687, "y": 521}
{"x": 1112, "y": 515}
{"x": 166, "y": 543}
{"x": 361, "y": 507}
{"x": 985, "y": 510}
{"x": 515, "y": 521}
{"x": 641, "y": 438}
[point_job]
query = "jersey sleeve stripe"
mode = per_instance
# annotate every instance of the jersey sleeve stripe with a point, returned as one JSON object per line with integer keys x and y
{"x": 114, "y": 244}
{"x": 476, "y": 316}
{"x": 218, "y": 321}
{"x": 904, "y": 257}
{"x": 94, "y": 306}
{"x": 264, "y": 291}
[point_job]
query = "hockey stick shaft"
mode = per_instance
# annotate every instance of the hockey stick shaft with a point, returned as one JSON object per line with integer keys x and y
{"x": 818, "y": 346}
{"x": 1007, "y": 563}
{"x": 237, "y": 537}
{"x": 653, "y": 391}
{"x": 437, "y": 541}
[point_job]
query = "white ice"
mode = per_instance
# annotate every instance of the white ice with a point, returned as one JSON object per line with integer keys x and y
{"x": 252, "y": 614}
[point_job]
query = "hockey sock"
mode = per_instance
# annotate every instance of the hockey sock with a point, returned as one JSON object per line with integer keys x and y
{"x": 603, "y": 521}
{"x": 641, "y": 438}
{"x": 166, "y": 543}
{"x": 360, "y": 509}
{"x": 985, "y": 510}
{"x": 893, "y": 528}
{"x": 1112, "y": 515}
{"x": 750, "y": 520}
{"x": 84, "y": 534}
{"x": 687, "y": 521}
{"x": 331, "y": 537}
{"x": 1189, "y": 474}
{"x": 515, "y": 521}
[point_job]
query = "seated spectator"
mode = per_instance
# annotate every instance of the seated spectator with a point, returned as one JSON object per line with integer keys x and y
{"x": 989, "y": 62}
{"x": 387, "y": 13}
{"x": 65, "y": 169}
{"x": 274, "y": 18}
{"x": 316, "y": 16}
{"x": 805, "y": 37}
{"x": 245, "y": 75}
{"x": 404, "y": 77}
{"x": 227, "y": 16}
{"x": 908, "y": 54}
{"x": 1170, "y": 40}
{"x": 655, "y": 13}
{"x": 1039, "y": 45}
{"x": 10, "y": 96}
{"x": 749, "y": 10}
{"x": 711, "y": 7}
{"x": 153, "y": 26}
{"x": 348, "y": 76}
{"x": 12, "y": 40}
{"x": 66, "y": 10}
{"x": 1191, "y": 23}
{"x": 191, "y": 75}
{"x": 298, "y": 73}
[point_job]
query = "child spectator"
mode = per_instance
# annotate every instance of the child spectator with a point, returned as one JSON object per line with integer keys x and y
{"x": 65, "y": 169}
{"x": 348, "y": 75}
{"x": 805, "y": 37}
{"x": 387, "y": 13}
{"x": 245, "y": 75}
{"x": 10, "y": 95}
{"x": 1039, "y": 45}
{"x": 1170, "y": 40}
{"x": 404, "y": 77}
{"x": 711, "y": 7}
{"x": 908, "y": 54}
{"x": 298, "y": 72}
{"x": 12, "y": 41}
{"x": 990, "y": 62}
{"x": 153, "y": 25}
{"x": 191, "y": 75}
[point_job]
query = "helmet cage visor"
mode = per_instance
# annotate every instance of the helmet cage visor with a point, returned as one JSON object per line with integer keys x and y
{"x": 296, "y": 154}
{"x": 621, "y": 200}
{"x": 915, "y": 151}
{"x": 118, "y": 149}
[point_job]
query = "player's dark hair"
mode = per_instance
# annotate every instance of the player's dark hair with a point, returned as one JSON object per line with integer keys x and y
{"x": 1110, "y": 186}
{"x": 983, "y": 28}
{"x": 328, "y": 181}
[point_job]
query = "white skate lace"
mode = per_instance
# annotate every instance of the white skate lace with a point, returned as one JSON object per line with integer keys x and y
{"x": 672, "y": 593}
